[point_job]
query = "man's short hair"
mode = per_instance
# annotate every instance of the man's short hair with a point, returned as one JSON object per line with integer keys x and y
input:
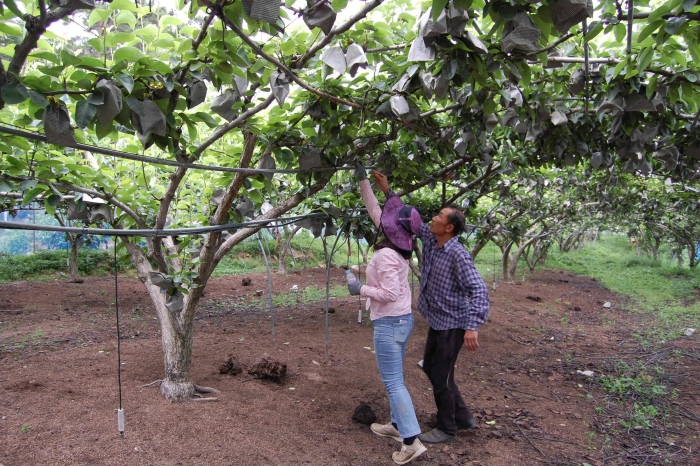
{"x": 456, "y": 219}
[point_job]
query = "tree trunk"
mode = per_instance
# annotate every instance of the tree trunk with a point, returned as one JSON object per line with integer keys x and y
{"x": 692, "y": 252}
{"x": 530, "y": 258}
{"x": 74, "y": 241}
{"x": 513, "y": 262}
{"x": 505, "y": 258}
{"x": 478, "y": 247}
{"x": 540, "y": 254}
{"x": 177, "y": 355}
{"x": 655, "y": 248}
{"x": 419, "y": 255}
{"x": 284, "y": 249}
{"x": 176, "y": 335}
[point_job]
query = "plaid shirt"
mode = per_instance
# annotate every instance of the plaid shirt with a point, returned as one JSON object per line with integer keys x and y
{"x": 452, "y": 293}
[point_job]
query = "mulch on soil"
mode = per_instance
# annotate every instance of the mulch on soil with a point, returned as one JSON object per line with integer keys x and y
{"x": 59, "y": 390}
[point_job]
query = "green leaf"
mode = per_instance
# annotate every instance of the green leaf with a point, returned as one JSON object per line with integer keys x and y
{"x": 127, "y": 81}
{"x": 103, "y": 131}
{"x": 11, "y": 29}
{"x": 438, "y": 6}
{"x": 191, "y": 127}
{"x": 120, "y": 38}
{"x": 649, "y": 29}
{"x": 14, "y": 93}
{"x": 620, "y": 66}
{"x": 38, "y": 98}
{"x": 125, "y": 17}
{"x": 134, "y": 104}
{"x": 13, "y": 7}
{"x": 51, "y": 203}
{"x": 206, "y": 119}
{"x": 651, "y": 87}
{"x": 254, "y": 196}
{"x": 96, "y": 97}
{"x": 95, "y": 69}
{"x": 673, "y": 24}
{"x": 147, "y": 31}
{"x": 97, "y": 44}
{"x": 46, "y": 56}
{"x": 167, "y": 20}
{"x": 123, "y": 5}
{"x": 688, "y": 4}
{"x": 84, "y": 113}
{"x": 119, "y": 66}
{"x": 32, "y": 194}
{"x": 156, "y": 65}
{"x": 68, "y": 59}
{"x": 288, "y": 47}
{"x": 645, "y": 58}
{"x": 680, "y": 58}
{"x": 339, "y": 4}
{"x": 596, "y": 27}
{"x": 490, "y": 106}
{"x": 54, "y": 71}
{"x": 165, "y": 43}
{"x": 658, "y": 13}
{"x": 691, "y": 77}
{"x": 97, "y": 15}
{"x": 127, "y": 54}
{"x": 512, "y": 69}
{"x": 620, "y": 32}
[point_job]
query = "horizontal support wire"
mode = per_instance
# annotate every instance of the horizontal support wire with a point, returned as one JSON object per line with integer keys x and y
{"x": 164, "y": 232}
{"x": 174, "y": 163}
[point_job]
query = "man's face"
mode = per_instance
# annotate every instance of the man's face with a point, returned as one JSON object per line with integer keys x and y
{"x": 440, "y": 225}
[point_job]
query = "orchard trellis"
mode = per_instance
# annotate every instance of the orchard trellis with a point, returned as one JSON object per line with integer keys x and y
{"x": 546, "y": 107}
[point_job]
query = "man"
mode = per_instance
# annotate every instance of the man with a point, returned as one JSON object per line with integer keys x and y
{"x": 455, "y": 300}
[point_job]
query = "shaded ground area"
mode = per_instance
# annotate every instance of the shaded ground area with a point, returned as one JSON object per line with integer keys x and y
{"x": 59, "y": 386}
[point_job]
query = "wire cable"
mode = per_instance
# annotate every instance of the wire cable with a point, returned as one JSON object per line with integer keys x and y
{"x": 159, "y": 231}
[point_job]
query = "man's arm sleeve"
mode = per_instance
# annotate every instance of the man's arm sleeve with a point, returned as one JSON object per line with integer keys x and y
{"x": 423, "y": 231}
{"x": 475, "y": 288}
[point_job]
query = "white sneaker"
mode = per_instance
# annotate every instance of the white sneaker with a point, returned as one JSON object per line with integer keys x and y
{"x": 386, "y": 430}
{"x": 408, "y": 452}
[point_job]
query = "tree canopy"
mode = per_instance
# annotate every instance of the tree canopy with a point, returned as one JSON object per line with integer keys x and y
{"x": 204, "y": 113}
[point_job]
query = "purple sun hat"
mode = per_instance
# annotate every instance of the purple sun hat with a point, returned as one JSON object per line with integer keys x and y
{"x": 400, "y": 223}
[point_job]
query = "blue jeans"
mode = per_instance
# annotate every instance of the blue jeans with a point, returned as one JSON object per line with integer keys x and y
{"x": 390, "y": 340}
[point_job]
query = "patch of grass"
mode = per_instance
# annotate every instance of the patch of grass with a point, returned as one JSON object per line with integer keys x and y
{"x": 37, "y": 336}
{"x": 308, "y": 252}
{"x": 611, "y": 260}
{"x": 639, "y": 387}
{"x": 307, "y": 295}
{"x": 660, "y": 287}
{"x": 44, "y": 264}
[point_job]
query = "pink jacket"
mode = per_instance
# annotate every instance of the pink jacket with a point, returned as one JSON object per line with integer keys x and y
{"x": 387, "y": 290}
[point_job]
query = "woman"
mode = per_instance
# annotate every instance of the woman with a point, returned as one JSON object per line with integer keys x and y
{"x": 389, "y": 300}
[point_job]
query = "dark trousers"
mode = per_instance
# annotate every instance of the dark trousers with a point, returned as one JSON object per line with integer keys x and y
{"x": 441, "y": 351}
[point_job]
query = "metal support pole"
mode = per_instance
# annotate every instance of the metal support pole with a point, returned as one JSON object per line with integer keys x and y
{"x": 630, "y": 22}
{"x": 269, "y": 284}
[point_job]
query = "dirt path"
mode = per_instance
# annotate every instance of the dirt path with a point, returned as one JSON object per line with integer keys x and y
{"x": 59, "y": 391}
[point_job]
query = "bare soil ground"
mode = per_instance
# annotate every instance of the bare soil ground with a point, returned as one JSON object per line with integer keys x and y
{"x": 59, "y": 385}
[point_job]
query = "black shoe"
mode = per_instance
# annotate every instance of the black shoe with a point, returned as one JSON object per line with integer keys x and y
{"x": 436, "y": 436}
{"x": 470, "y": 424}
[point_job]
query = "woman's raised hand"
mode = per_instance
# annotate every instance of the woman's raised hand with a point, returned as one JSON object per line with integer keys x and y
{"x": 381, "y": 180}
